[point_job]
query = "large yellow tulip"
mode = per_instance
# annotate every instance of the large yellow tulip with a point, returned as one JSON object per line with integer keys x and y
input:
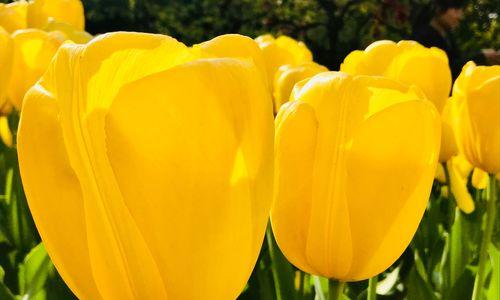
{"x": 33, "y": 51}
{"x": 355, "y": 161}
{"x": 407, "y": 62}
{"x": 13, "y": 16}
{"x": 477, "y": 93}
{"x": 41, "y": 12}
{"x": 281, "y": 51}
{"x": 288, "y": 75}
{"x": 148, "y": 171}
{"x": 6, "y": 50}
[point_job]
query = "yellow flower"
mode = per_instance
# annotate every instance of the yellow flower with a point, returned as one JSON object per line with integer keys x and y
{"x": 13, "y": 15}
{"x": 33, "y": 51}
{"x": 288, "y": 75}
{"x": 236, "y": 46}
{"x": 354, "y": 164}
{"x": 477, "y": 95}
{"x": 6, "y": 50}
{"x": 41, "y": 12}
{"x": 280, "y": 51}
{"x": 407, "y": 62}
{"x": 148, "y": 171}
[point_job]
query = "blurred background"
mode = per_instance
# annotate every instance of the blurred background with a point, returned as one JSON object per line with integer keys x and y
{"x": 330, "y": 28}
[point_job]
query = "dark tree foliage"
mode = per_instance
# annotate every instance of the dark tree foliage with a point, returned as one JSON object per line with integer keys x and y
{"x": 331, "y": 28}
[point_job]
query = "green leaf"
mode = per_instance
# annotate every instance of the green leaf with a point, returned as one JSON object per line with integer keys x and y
{"x": 5, "y": 293}
{"x": 283, "y": 272}
{"x": 462, "y": 289}
{"x": 418, "y": 288}
{"x": 34, "y": 271}
{"x": 494, "y": 286}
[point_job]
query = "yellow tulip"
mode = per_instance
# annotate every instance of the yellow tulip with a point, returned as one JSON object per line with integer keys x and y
{"x": 236, "y": 46}
{"x": 477, "y": 95}
{"x": 13, "y": 15}
{"x": 69, "y": 32}
{"x": 281, "y": 51}
{"x": 355, "y": 158}
{"x": 407, "y": 62}
{"x": 33, "y": 51}
{"x": 148, "y": 171}
{"x": 6, "y": 50}
{"x": 41, "y": 12}
{"x": 288, "y": 75}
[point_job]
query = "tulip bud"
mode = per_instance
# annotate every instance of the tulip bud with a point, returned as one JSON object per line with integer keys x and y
{"x": 288, "y": 75}
{"x": 355, "y": 159}
{"x": 477, "y": 95}
{"x": 407, "y": 62}
{"x": 281, "y": 51}
{"x": 41, "y": 12}
{"x": 33, "y": 51}
{"x": 148, "y": 171}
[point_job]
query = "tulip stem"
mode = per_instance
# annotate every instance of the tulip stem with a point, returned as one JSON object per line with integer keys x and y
{"x": 335, "y": 289}
{"x": 485, "y": 241}
{"x": 372, "y": 288}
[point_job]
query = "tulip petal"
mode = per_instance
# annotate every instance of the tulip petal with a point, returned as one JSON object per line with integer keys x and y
{"x": 40, "y": 12}
{"x": 53, "y": 191}
{"x": 33, "y": 51}
{"x": 205, "y": 150}
{"x": 479, "y": 179}
{"x": 6, "y": 50}
{"x": 458, "y": 187}
{"x": 391, "y": 158}
{"x": 296, "y": 130}
{"x": 236, "y": 46}
{"x": 13, "y": 15}
{"x": 414, "y": 67}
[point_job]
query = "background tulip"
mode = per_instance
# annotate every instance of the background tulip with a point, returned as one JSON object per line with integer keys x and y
{"x": 407, "y": 62}
{"x": 448, "y": 142}
{"x": 355, "y": 161}
{"x": 280, "y": 51}
{"x": 69, "y": 32}
{"x": 477, "y": 93}
{"x": 13, "y": 16}
{"x": 288, "y": 75}
{"x": 6, "y": 49}
{"x": 33, "y": 51}
{"x": 148, "y": 171}
{"x": 41, "y": 12}
{"x": 236, "y": 46}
